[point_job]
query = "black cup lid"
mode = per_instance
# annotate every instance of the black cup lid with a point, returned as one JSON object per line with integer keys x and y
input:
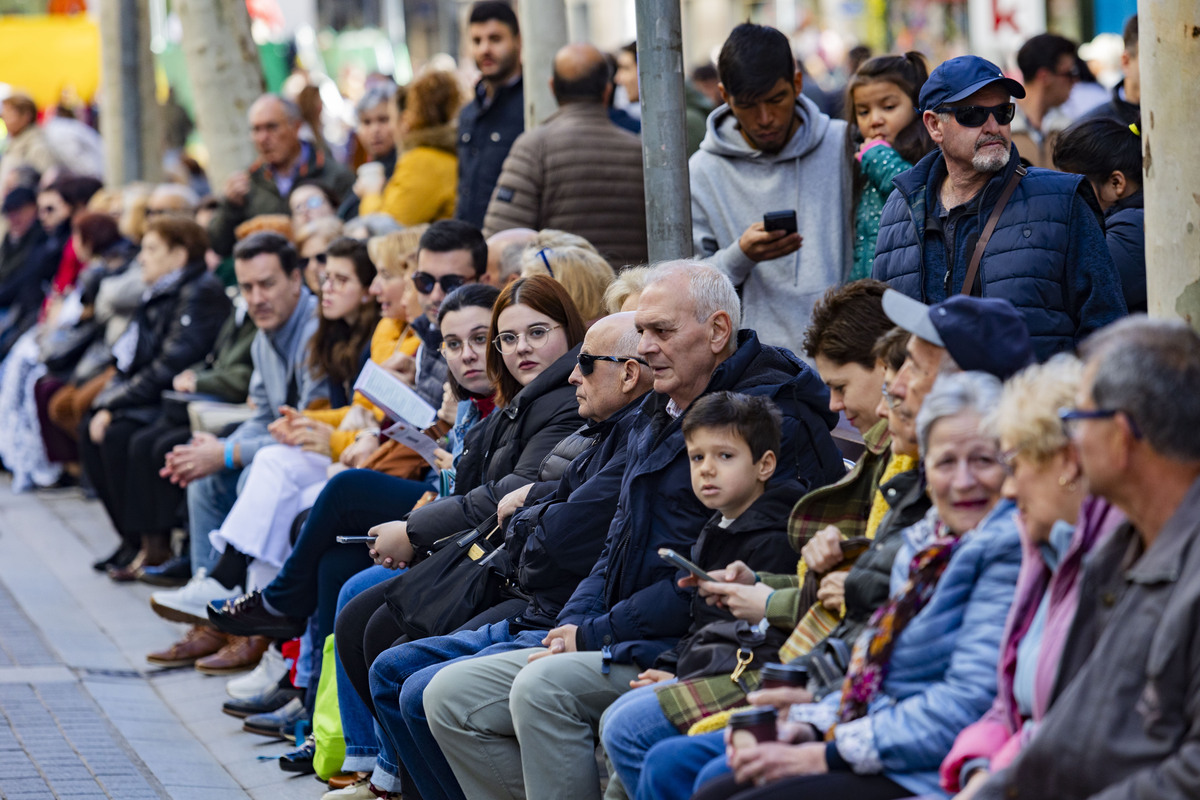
{"x": 794, "y": 674}
{"x": 753, "y": 716}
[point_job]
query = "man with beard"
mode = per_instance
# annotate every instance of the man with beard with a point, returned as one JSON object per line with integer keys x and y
{"x": 1042, "y": 239}
{"x": 492, "y": 121}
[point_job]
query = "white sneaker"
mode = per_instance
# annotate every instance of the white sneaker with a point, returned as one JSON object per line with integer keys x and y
{"x": 189, "y": 603}
{"x": 360, "y": 790}
{"x": 266, "y": 675}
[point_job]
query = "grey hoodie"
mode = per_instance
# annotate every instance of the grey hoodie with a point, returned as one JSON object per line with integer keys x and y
{"x": 733, "y": 185}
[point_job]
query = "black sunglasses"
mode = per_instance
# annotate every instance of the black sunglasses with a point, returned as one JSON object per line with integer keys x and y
{"x": 976, "y": 116}
{"x": 587, "y": 361}
{"x": 319, "y": 258}
{"x": 425, "y": 282}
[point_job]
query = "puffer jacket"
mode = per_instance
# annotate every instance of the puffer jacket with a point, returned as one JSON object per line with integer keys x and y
{"x": 421, "y": 187}
{"x": 1047, "y": 255}
{"x": 431, "y": 367}
{"x": 629, "y": 607}
{"x": 941, "y": 676}
{"x": 174, "y": 330}
{"x": 576, "y": 172}
{"x": 225, "y": 371}
{"x": 555, "y": 557}
{"x": 1125, "y": 234}
{"x": 503, "y": 454}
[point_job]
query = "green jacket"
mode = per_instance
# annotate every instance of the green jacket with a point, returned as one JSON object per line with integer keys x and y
{"x": 226, "y": 372}
{"x": 845, "y": 504}
{"x": 264, "y": 197}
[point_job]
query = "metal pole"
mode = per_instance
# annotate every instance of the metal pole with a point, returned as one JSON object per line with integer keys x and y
{"x": 664, "y": 132}
{"x": 543, "y": 33}
{"x": 1169, "y": 55}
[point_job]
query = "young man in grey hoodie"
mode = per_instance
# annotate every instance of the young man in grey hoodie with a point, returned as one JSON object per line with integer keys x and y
{"x": 770, "y": 149}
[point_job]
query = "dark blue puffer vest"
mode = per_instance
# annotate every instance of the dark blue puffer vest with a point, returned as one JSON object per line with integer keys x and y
{"x": 1025, "y": 261}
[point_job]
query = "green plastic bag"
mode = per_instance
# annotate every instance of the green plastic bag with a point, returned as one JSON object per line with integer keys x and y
{"x": 327, "y": 719}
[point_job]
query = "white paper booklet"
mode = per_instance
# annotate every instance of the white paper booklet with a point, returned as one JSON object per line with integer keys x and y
{"x": 395, "y": 397}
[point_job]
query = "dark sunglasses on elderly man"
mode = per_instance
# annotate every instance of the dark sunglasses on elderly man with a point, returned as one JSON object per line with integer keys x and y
{"x": 976, "y": 116}
{"x": 425, "y": 282}
{"x": 587, "y": 361}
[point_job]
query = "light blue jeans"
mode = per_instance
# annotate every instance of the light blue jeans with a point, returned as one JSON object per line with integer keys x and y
{"x": 208, "y": 502}
{"x": 633, "y": 724}
{"x": 359, "y": 728}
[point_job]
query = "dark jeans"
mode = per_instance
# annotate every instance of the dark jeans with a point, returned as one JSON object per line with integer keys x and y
{"x": 831, "y": 786}
{"x": 350, "y": 504}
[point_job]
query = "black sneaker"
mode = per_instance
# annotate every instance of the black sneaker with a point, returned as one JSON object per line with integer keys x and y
{"x": 247, "y": 616}
{"x": 272, "y": 699}
{"x": 173, "y": 572}
{"x": 290, "y": 719}
{"x": 300, "y": 760}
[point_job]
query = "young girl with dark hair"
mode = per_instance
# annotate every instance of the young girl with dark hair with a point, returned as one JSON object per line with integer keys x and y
{"x": 881, "y": 101}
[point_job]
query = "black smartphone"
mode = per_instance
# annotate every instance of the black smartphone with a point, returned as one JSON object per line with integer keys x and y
{"x": 780, "y": 221}
{"x": 355, "y": 539}
{"x": 670, "y": 556}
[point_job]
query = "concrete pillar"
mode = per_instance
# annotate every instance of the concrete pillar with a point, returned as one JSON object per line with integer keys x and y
{"x": 130, "y": 122}
{"x": 543, "y": 33}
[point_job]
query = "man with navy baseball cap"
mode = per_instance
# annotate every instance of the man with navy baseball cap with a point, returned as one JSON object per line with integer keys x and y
{"x": 1043, "y": 245}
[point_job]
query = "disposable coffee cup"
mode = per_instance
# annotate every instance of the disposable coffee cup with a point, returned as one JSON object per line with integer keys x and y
{"x": 780, "y": 676}
{"x": 371, "y": 175}
{"x": 751, "y": 727}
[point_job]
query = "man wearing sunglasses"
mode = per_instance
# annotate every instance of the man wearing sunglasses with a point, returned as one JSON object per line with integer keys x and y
{"x": 450, "y": 253}
{"x": 1049, "y": 68}
{"x": 1043, "y": 243}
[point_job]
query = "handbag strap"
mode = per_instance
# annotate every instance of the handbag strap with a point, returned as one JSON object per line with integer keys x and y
{"x": 990, "y": 226}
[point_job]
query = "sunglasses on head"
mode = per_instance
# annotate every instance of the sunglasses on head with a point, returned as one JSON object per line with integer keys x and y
{"x": 587, "y": 361}
{"x": 976, "y": 116}
{"x": 425, "y": 282}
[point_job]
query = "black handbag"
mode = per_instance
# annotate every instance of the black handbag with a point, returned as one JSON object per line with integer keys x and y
{"x": 728, "y": 647}
{"x": 464, "y": 576}
{"x": 68, "y": 345}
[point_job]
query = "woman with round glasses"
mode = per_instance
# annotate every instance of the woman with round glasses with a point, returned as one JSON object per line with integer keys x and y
{"x": 1059, "y": 525}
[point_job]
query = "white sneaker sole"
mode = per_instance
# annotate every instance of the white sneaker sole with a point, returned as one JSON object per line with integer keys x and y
{"x": 172, "y": 614}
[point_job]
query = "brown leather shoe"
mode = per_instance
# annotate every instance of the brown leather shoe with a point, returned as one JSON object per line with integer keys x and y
{"x": 198, "y": 642}
{"x": 240, "y": 654}
{"x": 348, "y": 779}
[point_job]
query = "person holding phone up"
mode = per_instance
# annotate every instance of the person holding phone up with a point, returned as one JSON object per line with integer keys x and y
{"x": 771, "y": 188}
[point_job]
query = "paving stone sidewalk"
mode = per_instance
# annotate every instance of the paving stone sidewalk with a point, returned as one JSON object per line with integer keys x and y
{"x": 82, "y": 715}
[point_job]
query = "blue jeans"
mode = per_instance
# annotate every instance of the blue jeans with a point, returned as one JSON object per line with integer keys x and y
{"x": 633, "y": 724}
{"x": 358, "y": 726}
{"x": 398, "y": 680}
{"x": 208, "y": 502}
{"x": 674, "y": 768}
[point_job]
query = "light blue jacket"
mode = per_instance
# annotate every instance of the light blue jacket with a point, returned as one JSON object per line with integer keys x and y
{"x": 942, "y": 673}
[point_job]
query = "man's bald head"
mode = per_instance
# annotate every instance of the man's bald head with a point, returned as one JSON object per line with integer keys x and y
{"x": 581, "y": 75}
{"x": 611, "y": 384}
{"x": 504, "y": 255}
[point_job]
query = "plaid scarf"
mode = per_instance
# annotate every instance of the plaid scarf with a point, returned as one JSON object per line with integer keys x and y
{"x": 873, "y": 651}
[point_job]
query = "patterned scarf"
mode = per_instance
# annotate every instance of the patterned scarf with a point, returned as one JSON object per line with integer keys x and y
{"x": 873, "y": 651}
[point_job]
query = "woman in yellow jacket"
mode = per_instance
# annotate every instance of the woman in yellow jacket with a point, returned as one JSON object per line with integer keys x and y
{"x": 423, "y": 187}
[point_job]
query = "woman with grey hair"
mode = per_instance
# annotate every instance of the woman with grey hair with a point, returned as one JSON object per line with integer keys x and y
{"x": 376, "y": 136}
{"x": 925, "y": 666}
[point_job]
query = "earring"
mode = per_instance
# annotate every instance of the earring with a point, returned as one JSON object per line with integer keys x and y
{"x": 1069, "y": 485}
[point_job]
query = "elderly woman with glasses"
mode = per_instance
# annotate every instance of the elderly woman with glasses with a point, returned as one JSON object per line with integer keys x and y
{"x": 924, "y": 667}
{"x": 1059, "y": 526}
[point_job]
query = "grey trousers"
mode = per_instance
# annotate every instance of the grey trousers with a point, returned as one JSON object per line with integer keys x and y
{"x": 514, "y": 730}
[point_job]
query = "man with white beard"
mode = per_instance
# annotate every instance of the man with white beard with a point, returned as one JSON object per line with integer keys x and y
{"x": 970, "y": 218}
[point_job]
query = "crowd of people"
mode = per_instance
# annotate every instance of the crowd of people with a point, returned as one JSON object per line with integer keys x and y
{"x": 880, "y": 494}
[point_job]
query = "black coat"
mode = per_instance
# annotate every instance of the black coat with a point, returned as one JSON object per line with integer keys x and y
{"x": 1125, "y": 235}
{"x": 175, "y": 329}
{"x": 485, "y": 135}
{"x": 504, "y": 453}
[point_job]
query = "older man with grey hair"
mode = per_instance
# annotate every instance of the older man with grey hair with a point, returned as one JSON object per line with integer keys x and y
{"x": 498, "y": 717}
{"x": 1125, "y": 710}
{"x": 284, "y": 159}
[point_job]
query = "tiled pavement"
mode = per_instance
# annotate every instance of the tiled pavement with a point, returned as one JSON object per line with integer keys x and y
{"x": 81, "y": 713}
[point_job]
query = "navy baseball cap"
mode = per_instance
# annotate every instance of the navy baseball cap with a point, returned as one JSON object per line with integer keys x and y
{"x": 959, "y": 78}
{"x": 18, "y": 198}
{"x": 984, "y": 334}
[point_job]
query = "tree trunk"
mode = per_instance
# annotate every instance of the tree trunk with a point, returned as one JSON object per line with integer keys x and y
{"x": 1169, "y": 56}
{"x": 226, "y": 76}
{"x": 130, "y": 120}
{"x": 543, "y": 33}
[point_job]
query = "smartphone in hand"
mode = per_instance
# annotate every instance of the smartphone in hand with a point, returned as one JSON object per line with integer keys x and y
{"x": 355, "y": 539}
{"x": 670, "y": 556}
{"x": 780, "y": 221}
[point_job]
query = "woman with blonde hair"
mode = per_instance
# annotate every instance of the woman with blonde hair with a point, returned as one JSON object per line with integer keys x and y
{"x": 1059, "y": 525}
{"x": 624, "y": 292}
{"x": 423, "y": 187}
{"x": 395, "y": 257}
{"x": 582, "y": 272}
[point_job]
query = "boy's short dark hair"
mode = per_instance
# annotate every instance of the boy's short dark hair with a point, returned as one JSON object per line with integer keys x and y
{"x": 1043, "y": 52}
{"x": 498, "y": 10}
{"x": 1095, "y": 148}
{"x": 753, "y": 59}
{"x": 755, "y": 419}
{"x": 256, "y": 244}
{"x": 448, "y": 235}
{"x": 1130, "y": 35}
{"x": 846, "y": 322}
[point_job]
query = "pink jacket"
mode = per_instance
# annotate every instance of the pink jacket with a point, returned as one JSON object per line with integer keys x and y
{"x": 1000, "y": 734}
